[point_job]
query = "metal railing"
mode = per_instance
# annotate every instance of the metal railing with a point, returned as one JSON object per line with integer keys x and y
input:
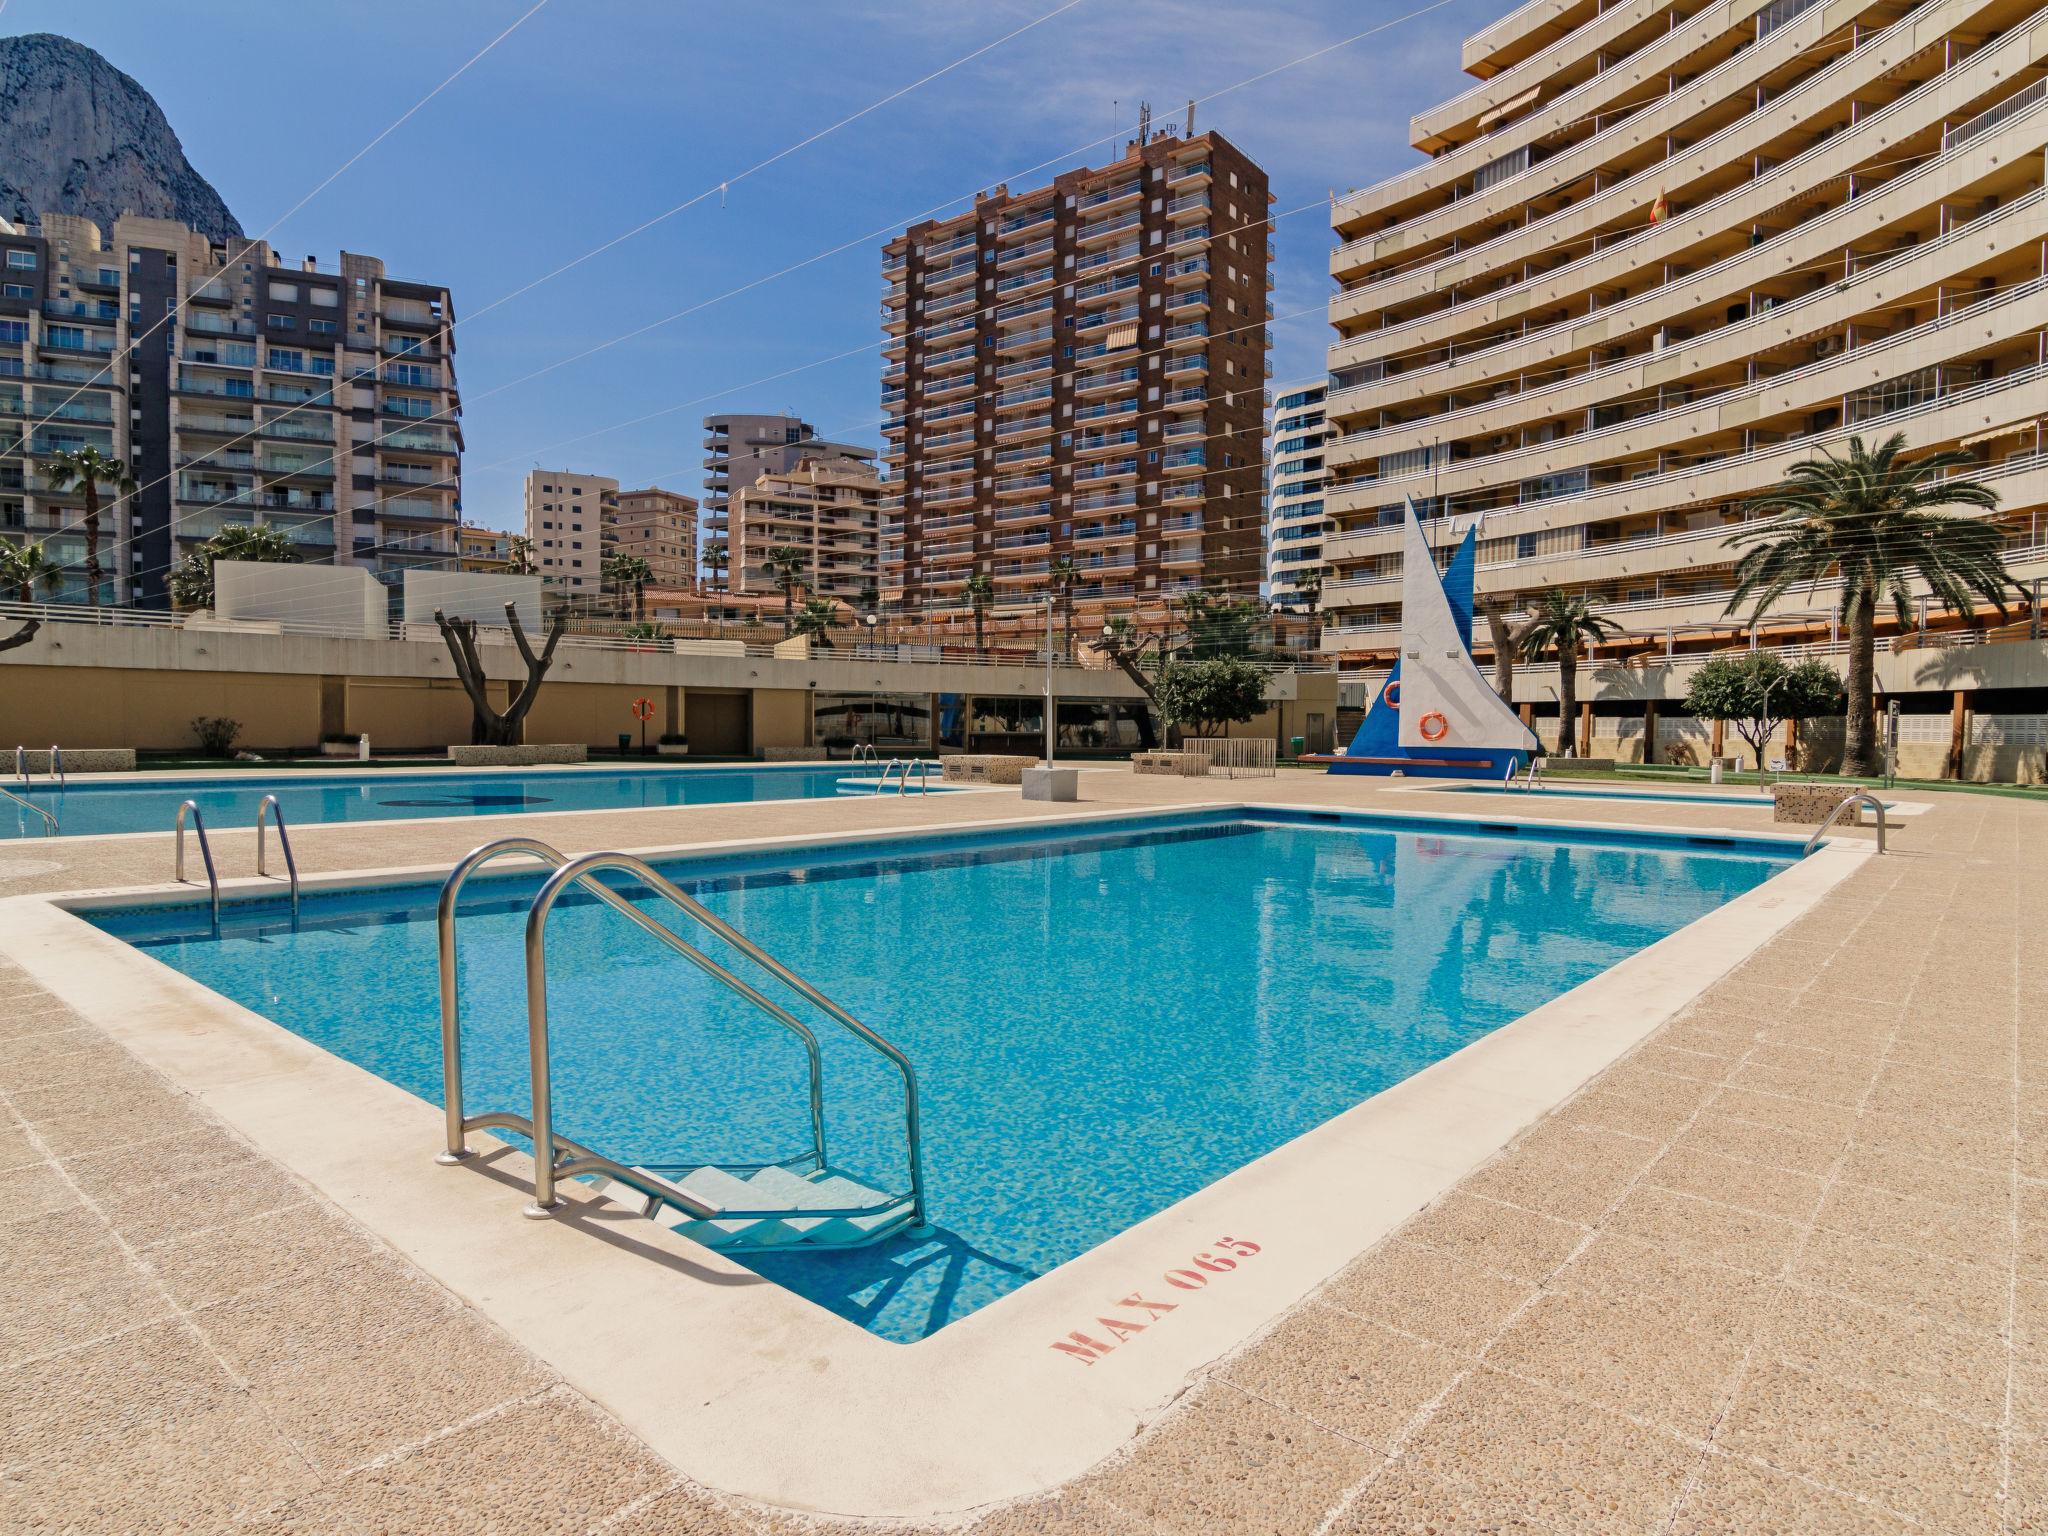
{"x": 12, "y": 798}
{"x": 1237, "y": 757}
{"x": 205, "y": 853}
{"x": 576, "y": 872}
{"x": 266, "y": 808}
{"x": 1862, "y": 796}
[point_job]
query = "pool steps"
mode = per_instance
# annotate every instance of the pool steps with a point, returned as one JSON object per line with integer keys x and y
{"x": 764, "y": 1202}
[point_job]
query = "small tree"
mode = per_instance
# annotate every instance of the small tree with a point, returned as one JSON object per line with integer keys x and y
{"x": 519, "y": 559}
{"x": 87, "y": 469}
{"x": 785, "y": 563}
{"x": 22, "y": 566}
{"x": 715, "y": 557}
{"x": 816, "y": 620}
{"x": 192, "y": 582}
{"x": 488, "y": 725}
{"x": 1218, "y": 624}
{"x": 629, "y": 573}
{"x": 1064, "y": 574}
{"x": 981, "y": 591}
{"x": 1564, "y": 621}
{"x": 1202, "y": 695}
{"x": 1756, "y": 693}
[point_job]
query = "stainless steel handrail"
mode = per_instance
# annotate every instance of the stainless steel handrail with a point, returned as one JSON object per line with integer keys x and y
{"x": 205, "y": 852}
{"x": 578, "y": 870}
{"x": 10, "y": 795}
{"x": 1846, "y": 801}
{"x": 21, "y": 763}
{"x": 451, "y": 1020}
{"x": 267, "y": 807}
{"x": 57, "y": 765}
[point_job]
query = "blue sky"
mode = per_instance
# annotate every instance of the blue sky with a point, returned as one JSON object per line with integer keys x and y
{"x": 597, "y": 115}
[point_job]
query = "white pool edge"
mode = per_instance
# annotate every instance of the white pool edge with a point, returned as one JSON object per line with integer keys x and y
{"x": 747, "y": 1387}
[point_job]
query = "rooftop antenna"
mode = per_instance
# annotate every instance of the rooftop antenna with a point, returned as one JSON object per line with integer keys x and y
{"x": 1191, "y": 117}
{"x": 1144, "y": 121}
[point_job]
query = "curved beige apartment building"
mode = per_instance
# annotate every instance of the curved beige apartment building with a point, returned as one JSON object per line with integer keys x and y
{"x": 1659, "y": 253}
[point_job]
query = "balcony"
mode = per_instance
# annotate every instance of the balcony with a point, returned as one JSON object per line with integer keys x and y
{"x": 1099, "y": 533}
{"x": 947, "y": 277}
{"x": 1188, "y": 299}
{"x": 1109, "y": 469}
{"x": 949, "y": 388}
{"x": 1192, "y": 394}
{"x": 1005, "y": 255}
{"x": 1027, "y": 512}
{"x": 1188, "y": 203}
{"x": 1024, "y": 366}
{"x": 1121, "y": 315}
{"x": 1182, "y": 460}
{"x": 1105, "y": 442}
{"x": 1023, "y": 309}
{"x": 1109, "y": 195}
{"x": 1102, "y": 500}
{"x": 1104, "y": 229}
{"x": 204, "y": 323}
{"x": 1188, "y": 332}
{"x": 299, "y": 429}
{"x": 1025, "y": 454}
{"x": 1097, "y": 383}
{"x": 1017, "y": 341}
{"x": 1106, "y": 409}
{"x": 946, "y": 247}
{"x": 1188, "y": 270}
{"x": 1190, "y": 174}
{"x": 947, "y": 305}
{"x": 1116, "y": 253}
{"x": 1187, "y": 234}
{"x": 1019, "y": 485}
{"x": 1011, "y": 398}
{"x": 1022, "y": 426}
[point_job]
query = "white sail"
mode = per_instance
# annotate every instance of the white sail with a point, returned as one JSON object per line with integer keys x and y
{"x": 1445, "y": 702}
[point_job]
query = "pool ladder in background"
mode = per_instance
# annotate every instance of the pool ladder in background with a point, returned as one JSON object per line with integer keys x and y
{"x": 266, "y": 808}
{"x": 800, "y": 1201}
{"x": 22, "y": 802}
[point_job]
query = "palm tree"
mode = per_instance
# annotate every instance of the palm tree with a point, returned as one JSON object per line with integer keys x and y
{"x": 1064, "y": 574}
{"x": 981, "y": 591}
{"x": 519, "y": 559}
{"x": 1874, "y": 522}
{"x": 87, "y": 468}
{"x": 785, "y": 562}
{"x": 1566, "y": 622}
{"x": 629, "y": 573}
{"x": 261, "y": 543}
{"x": 716, "y": 557}
{"x": 22, "y": 566}
{"x": 817, "y": 619}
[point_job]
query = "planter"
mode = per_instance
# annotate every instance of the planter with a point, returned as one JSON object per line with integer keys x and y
{"x": 1047, "y": 783}
{"x": 518, "y": 757}
{"x": 985, "y": 768}
{"x": 1184, "y": 765}
{"x": 667, "y": 749}
{"x": 1809, "y": 804}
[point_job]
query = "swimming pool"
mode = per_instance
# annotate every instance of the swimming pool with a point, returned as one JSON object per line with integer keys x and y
{"x": 86, "y": 807}
{"x": 1105, "y": 1016}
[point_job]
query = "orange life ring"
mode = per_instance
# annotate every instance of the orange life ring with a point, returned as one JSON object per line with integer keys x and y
{"x": 643, "y": 710}
{"x": 1392, "y": 694}
{"x": 1443, "y": 727}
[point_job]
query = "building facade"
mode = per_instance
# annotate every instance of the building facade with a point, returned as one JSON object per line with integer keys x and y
{"x": 237, "y": 389}
{"x": 829, "y": 511}
{"x": 1657, "y": 256}
{"x": 739, "y": 449}
{"x": 659, "y": 527}
{"x": 566, "y": 517}
{"x": 1295, "y": 480}
{"x": 1077, "y": 374}
{"x": 483, "y": 550}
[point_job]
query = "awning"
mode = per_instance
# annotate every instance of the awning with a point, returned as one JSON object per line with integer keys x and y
{"x": 1121, "y": 336}
{"x": 1991, "y": 434}
{"x": 1516, "y": 103}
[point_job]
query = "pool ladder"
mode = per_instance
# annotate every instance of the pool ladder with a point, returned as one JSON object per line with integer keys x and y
{"x": 901, "y": 766}
{"x": 266, "y": 809}
{"x": 22, "y": 802}
{"x": 807, "y": 1203}
{"x": 1865, "y": 797}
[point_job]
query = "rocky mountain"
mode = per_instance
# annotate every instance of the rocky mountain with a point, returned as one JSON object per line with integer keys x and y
{"x": 78, "y": 136}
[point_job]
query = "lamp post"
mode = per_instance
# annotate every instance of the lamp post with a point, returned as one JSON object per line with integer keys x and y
{"x": 1051, "y": 726}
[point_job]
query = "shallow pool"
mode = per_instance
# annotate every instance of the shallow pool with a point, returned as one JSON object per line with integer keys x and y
{"x": 1104, "y": 1018}
{"x": 88, "y": 806}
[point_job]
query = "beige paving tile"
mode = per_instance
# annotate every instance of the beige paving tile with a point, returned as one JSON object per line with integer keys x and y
{"x": 1968, "y": 1234}
{"x": 1355, "y": 1377}
{"x": 1688, "y": 1292}
{"x": 1778, "y": 1111}
{"x": 16, "y": 1149}
{"x": 1968, "y": 1296}
{"x": 1735, "y": 1181}
{"x": 1725, "y": 1135}
{"x": 178, "y": 1207}
{"x": 1624, "y": 1356}
{"x": 1706, "y": 1229}
{"x": 1429, "y": 1293}
{"x": 292, "y": 1243}
{"x": 1227, "y": 1462}
{"x": 1734, "y": 1497}
{"x": 1986, "y": 1143}
{"x": 64, "y": 1282}
{"x": 1525, "y": 1447}
{"x": 32, "y": 1192}
{"x": 1504, "y": 1238}
{"x": 1566, "y": 1169}
{"x": 1892, "y": 1352}
{"x": 1065, "y": 1514}
{"x": 1927, "y": 1465}
{"x": 265, "y": 1333}
{"x": 1841, "y": 1081}
{"x": 490, "y": 1477}
{"x": 1928, "y": 1178}
{"x": 131, "y": 1385}
{"x": 1404, "y": 1501}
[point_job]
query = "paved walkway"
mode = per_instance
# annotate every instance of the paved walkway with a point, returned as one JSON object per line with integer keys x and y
{"x": 1784, "y": 1268}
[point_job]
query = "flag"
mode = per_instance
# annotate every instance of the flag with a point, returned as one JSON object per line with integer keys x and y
{"x": 1660, "y": 209}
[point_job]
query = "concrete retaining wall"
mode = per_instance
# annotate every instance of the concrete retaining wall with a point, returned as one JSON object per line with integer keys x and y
{"x": 80, "y": 760}
{"x": 467, "y": 756}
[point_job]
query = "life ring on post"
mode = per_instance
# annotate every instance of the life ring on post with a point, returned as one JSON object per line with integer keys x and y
{"x": 1442, "y": 727}
{"x": 1392, "y": 694}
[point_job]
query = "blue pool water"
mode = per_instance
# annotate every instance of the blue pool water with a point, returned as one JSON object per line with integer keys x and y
{"x": 1103, "y": 1020}
{"x": 89, "y": 806}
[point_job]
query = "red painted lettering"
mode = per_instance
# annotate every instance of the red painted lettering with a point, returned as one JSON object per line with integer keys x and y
{"x": 1121, "y": 1327}
{"x": 1156, "y": 1308}
{"x": 1186, "y": 1279}
{"x": 1083, "y": 1348}
{"x": 1215, "y": 1264}
{"x": 1238, "y": 1246}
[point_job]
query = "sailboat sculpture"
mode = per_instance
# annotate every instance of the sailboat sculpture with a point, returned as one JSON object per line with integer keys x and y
{"x": 1435, "y": 715}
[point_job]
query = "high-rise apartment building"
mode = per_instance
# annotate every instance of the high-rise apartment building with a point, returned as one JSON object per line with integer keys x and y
{"x": 1295, "y": 479}
{"x": 566, "y": 516}
{"x": 659, "y": 527}
{"x": 829, "y": 511}
{"x": 1077, "y": 373}
{"x": 739, "y": 449}
{"x": 236, "y": 387}
{"x": 1658, "y": 254}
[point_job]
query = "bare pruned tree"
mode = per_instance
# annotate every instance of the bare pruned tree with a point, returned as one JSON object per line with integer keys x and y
{"x": 1506, "y": 636}
{"x": 21, "y": 636}
{"x": 489, "y": 726}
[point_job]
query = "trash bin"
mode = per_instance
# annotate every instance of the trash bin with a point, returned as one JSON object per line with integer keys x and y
{"x": 625, "y": 742}
{"x": 1294, "y": 744}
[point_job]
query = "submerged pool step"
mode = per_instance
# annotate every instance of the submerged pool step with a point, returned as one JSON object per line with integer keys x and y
{"x": 774, "y": 1199}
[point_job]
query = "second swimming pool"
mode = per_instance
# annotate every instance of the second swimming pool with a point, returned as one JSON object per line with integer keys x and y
{"x": 1105, "y": 1016}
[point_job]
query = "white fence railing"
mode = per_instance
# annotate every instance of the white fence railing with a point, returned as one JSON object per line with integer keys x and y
{"x": 1237, "y": 757}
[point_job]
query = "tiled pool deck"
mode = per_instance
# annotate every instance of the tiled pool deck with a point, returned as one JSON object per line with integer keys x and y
{"x": 1783, "y": 1268}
